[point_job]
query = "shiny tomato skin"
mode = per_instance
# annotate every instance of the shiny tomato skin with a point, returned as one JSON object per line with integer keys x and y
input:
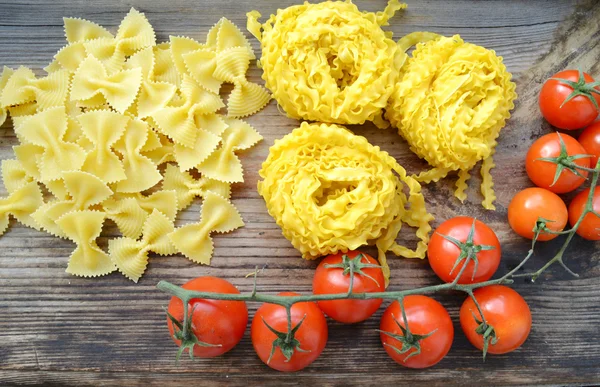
{"x": 213, "y": 321}
{"x": 576, "y": 113}
{"x": 542, "y": 172}
{"x": 590, "y": 226}
{"x": 532, "y": 203}
{"x": 312, "y": 334}
{"x": 424, "y": 315}
{"x": 505, "y": 310}
{"x": 333, "y": 281}
{"x": 590, "y": 140}
{"x": 442, "y": 253}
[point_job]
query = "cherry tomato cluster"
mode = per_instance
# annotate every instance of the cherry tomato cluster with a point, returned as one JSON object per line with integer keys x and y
{"x": 557, "y": 163}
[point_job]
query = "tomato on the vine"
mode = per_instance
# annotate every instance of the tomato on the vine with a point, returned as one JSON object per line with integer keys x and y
{"x": 450, "y": 247}
{"x": 554, "y": 176}
{"x": 590, "y": 140}
{"x": 218, "y": 323}
{"x": 589, "y": 228}
{"x": 531, "y": 204}
{"x": 430, "y": 327}
{"x": 333, "y": 276}
{"x": 504, "y": 310}
{"x": 305, "y": 344}
{"x": 569, "y": 100}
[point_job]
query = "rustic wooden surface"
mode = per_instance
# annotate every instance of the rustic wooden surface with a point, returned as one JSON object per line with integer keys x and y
{"x": 63, "y": 330}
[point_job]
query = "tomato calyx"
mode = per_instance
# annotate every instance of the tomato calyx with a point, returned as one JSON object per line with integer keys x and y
{"x": 488, "y": 333}
{"x": 185, "y": 334}
{"x": 564, "y": 161}
{"x": 581, "y": 87}
{"x": 408, "y": 339}
{"x": 351, "y": 266}
{"x": 468, "y": 251}
{"x": 285, "y": 341}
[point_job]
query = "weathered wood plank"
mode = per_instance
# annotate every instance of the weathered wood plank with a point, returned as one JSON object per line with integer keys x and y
{"x": 64, "y": 330}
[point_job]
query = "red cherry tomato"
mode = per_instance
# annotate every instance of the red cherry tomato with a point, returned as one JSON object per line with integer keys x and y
{"x": 505, "y": 310}
{"x": 590, "y": 226}
{"x": 424, "y": 315}
{"x": 443, "y": 254}
{"x": 213, "y": 321}
{"x": 529, "y": 205}
{"x": 312, "y": 334}
{"x": 542, "y": 172}
{"x": 590, "y": 140}
{"x": 333, "y": 280}
{"x": 574, "y": 114}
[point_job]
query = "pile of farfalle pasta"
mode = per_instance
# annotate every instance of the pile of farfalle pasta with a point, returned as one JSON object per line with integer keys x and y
{"x": 95, "y": 132}
{"x": 332, "y": 63}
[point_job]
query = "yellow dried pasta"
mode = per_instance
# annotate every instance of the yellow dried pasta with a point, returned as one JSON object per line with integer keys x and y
{"x": 83, "y": 227}
{"x": 94, "y": 131}
{"x": 330, "y": 190}
{"x": 328, "y": 61}
{"x": 131, "y": 256}
{"x": 450, "y": 102}
{"x": 217, "y": 215}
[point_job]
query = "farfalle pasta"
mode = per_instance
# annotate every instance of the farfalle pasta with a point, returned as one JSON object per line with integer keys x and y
{"x": 330, "y": 190}
{"x": 329, "y": 61}
{"x": 83, "y": 227}
{"x": 217, "y": 215}
{"x": 95, "y": 133}
{"x": 131, "y": 256}
{"x": 450, "y": 103}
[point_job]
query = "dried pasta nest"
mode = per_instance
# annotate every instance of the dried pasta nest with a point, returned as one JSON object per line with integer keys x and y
{"x": 330, "y": 190}
{"x": 451, "y": 100}
{"x": 328, "y": 62}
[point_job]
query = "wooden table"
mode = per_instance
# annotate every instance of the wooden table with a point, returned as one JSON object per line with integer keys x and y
{"x": 64, "y": 330}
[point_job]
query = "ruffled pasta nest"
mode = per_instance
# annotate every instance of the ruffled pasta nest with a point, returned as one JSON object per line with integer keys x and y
{"x": 450, "y": 102}
{"x": 328, "y": 62}
{"x": 330, "y": 190}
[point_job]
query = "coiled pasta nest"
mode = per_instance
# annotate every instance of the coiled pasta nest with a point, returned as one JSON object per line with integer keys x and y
{"x": 330, "y": 190}
{"x": 451, "y": 100}
{"x": 329, "y": 62}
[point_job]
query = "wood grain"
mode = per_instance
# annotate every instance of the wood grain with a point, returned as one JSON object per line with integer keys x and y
{"x": 61, "y": 330}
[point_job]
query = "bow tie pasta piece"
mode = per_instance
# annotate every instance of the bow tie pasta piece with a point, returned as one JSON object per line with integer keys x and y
{"x": 135, "y": 33}
{"x": 6, "y": 74}
{"x": 85, "y": 191}
{"x": 329, "y": 61}
{"x": 131, "y": 256}
{"x": 91, "y": 80}
{"x": 14, "y": 175}
{"x": 217, "y": 215}
{"x": 330, "y": 190}
{"x": 127, "y": 215}
{"x": 178, "y": 122}
{"x": 210, "y": 128}
{"x": 223, "y": 164}
{"x": 23, "y": 87}
{"x": 450, "y": 103}
{"x": 225, "y": 35}
{"x": 164, "y": 201}
{"x": 187, "y": 188}
{"x": 153, "y": 96}
{"x": 46, "y": 130}
{"x": 246, "y": 98}
{"x": 21, "y": 204}
{"x": 201, "y": 65}
{"x": 83, "y": 227}
{"x": 103, "y": 128}
{"x": 140, "y": 172}
{"x": 77, "y": 31}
